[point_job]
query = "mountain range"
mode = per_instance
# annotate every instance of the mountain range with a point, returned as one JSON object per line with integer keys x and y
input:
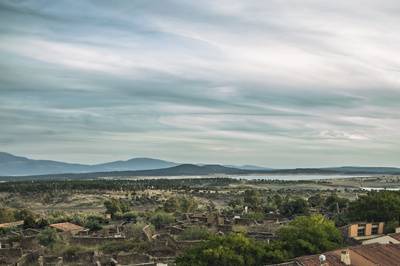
{"x": 11, "y": 166}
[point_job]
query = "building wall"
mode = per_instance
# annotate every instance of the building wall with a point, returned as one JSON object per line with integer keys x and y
{"x": 353, "y": 228}
{"x": 368, "y": 229}
{"x": 380, "y": 228}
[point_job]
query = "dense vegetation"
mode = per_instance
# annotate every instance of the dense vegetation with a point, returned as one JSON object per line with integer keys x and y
{"x": 304, "y": 235}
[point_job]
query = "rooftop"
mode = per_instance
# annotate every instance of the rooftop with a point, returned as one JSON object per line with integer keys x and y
{"x": 67, "y": 227}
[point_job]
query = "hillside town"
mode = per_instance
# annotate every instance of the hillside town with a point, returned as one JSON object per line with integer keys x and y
{"x": 162, "y": 222}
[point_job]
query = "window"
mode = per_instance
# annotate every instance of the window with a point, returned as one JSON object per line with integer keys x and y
{"x": 374, "y": 230}
{"x": 361, "y": 231}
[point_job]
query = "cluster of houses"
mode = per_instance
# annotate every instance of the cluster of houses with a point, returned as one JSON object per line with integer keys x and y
{"x": 368, "y": 244}
{"x": 369, "y": 247}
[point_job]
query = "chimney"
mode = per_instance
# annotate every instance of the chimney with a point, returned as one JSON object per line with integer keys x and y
{"x": 322, "y": 260}
{"x": 345, "y": 257}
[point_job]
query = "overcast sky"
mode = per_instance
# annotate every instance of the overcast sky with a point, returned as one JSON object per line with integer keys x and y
{"x": 273, "y": 83}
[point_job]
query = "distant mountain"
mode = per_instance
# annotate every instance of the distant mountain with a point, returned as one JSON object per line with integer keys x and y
{"x": 17, "y": 166}
{"x": 11, "y": 165}
{"x": 179, "y": 170}
{"x": 249, "y": 167}
{"x": 132, "y": 165}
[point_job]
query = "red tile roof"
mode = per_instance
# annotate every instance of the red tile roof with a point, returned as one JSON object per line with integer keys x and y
{"x": 395, "y": 236}
{"x": 376, "y": 254}
{"x": 381, "y": 254}
{"x": 67, "y": 227}
{"x": 12, "y": 224}
{"x": 313, "y": 260}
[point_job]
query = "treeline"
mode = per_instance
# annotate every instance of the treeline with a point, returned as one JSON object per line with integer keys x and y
{"x": 117, "y": 184}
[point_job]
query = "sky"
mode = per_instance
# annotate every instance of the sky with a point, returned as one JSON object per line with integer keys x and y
{"x": 271, "y": 83}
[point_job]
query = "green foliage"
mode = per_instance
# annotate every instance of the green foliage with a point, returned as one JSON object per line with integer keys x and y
{"x": 231, "y": 250}
{"x": 297, "y": 206}
{"x": 161, "y": 219}
{"x": 73, "y": 252}
{"x": 127, "y": 246}
{"x": 93, "y": 225}
{"x": 390, "y": 226}
{"x": 309, "y": 235}
{"x": 182, "y": 204}
{"x": 48, "y": 237}
{"x": 258, "y": 216}
{"x": 252, "y": 199}
{"x": 316, "y": 200}
{"x": 376, "y": 207}
{"x": 171, "y": 204}
{"x": 334, "y": 203}
{"x": 194, "y": 233}
{"x": 134, "y": 231}
{"x": 30, "y": 222}
{"x": 6, "y": 215}
{"x": 114, "y": 206}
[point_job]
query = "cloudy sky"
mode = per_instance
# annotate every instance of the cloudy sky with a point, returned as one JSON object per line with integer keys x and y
{"x": 274, "y": 83}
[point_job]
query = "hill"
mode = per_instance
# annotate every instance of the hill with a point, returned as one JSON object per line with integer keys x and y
{"x": 11, "y": 165}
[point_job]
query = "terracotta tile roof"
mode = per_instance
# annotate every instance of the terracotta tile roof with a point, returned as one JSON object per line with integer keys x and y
{"x": 12, "y": 224}
{"x": 381, "y": 254}
{"x": 313, "y": 260}
{"x": 67, "y": 227}
{"x": 375, "y": 254}
{"x": 395, "y": 236}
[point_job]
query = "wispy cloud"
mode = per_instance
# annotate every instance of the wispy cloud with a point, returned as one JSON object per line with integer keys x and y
{"x": 274, "y": 83}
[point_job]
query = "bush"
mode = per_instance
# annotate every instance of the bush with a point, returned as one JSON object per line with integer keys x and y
{"x": 161, "y": 219}
{"x": 194, "y": 233}
{"x": 234, "y": 249}
{"x": 48, "y": 237}
{"x": 309, "y": 235}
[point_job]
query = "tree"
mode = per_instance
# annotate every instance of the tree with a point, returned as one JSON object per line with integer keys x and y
{"x": 234, "y": 249}
{"x": 6, "y": 215}
{"x": 161, "y": 219}
{"x": 334, "y": 203}
{"x": 252, "y": 198}
{"x": 93, "y": 225}
{"x": 194, "y": 233}
{"x": 294, "y": 207}
{"x": 316, "y": 200}
{"x": 114, "y": 206}
{"x": 171, "y": 204}
{"x": 382, "y": 206}
{"x": 309, "y": 235}
{"x": 48, "y": 237}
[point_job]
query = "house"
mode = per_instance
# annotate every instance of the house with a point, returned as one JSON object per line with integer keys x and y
{"x": 12, "y": 224}
{"x": 386, "y": 239}
{"x": 362, "y": 255}
{"x": 67, "y": 227}
{"x": 363, "y": 231}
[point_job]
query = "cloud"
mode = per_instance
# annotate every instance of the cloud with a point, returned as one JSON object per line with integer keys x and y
{"x": 273, "y": 83}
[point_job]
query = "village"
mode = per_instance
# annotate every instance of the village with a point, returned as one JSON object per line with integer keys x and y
{"x": 156, "y": 222}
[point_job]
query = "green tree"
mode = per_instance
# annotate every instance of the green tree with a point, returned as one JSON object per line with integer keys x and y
{"x": 334, "y": 203}
{"x": 171, "y": 204}
{"x": 194, "y": 233}
{"x": 376, "y": 207}
{"x": 161, "y": 219}
{"x": 309, "y": 235}
{"x": 252, "y": 198}
{"x": 48, "y": 237}
{"x": 230, "y": 250}
{"x": 6, "y": 215}
{"x": 316, "y": 200}
{"x": 294, "y": 207}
